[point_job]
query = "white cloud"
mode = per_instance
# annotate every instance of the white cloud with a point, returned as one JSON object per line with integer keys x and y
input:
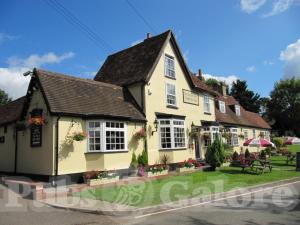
{"x": 250, "y": 6}
{"x": 6, "y": 37}
{"x": 281, "y": 6}
{"x": 227, "y": 79}
{"x": 291, "y": 57}
{"x": 12, "y": 80}
{"x": 251, "y": 69}
{"x": 136, "y": 42}
{"x": 268, "y": 62}
{"x": 36, "y": 60}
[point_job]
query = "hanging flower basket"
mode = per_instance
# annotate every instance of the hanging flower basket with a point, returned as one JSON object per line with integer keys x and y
{"x": 140, "y": 134}
{"x": 242, "y": 136}
{"x": 78, "y": 136}
{"x": 206, "y": 136}
{"x": 37, "y": 121}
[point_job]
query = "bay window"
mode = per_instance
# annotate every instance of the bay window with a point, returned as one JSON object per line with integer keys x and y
{"x": 106, "y": 136}
{"x": 172, "y": 134}
{"x": 246, "y": 137}
{"x": 211, "y": 134}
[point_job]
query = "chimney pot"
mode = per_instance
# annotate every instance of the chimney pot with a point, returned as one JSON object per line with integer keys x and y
{"x": 149, "y": 35}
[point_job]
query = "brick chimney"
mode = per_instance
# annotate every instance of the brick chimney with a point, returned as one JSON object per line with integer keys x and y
{"x": 223, "y": 89}
{"x": 200, "y": 77}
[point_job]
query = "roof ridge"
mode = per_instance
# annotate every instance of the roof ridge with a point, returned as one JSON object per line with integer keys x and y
{"x": 147, "y": 39}
{"x": 70, "y": 77}
{"x": 13, "y": 102}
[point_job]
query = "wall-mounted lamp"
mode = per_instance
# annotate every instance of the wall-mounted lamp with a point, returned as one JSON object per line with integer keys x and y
{"x": 155, "y": 126}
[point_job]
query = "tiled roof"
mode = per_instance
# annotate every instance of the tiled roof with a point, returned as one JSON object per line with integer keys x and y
{"x": 245, "y": 119}
{"x": 134, "y": 64}
{"x": 12, "y": 111}
{"x": 200, "y": 85}
{"x": 76, "y": 96}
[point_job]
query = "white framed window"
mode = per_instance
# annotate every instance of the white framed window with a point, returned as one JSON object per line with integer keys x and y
{"x": 222, "y": 107}
{"x": 172, "y": 134}
{"x": 206, "y": 104}
{"x": 246, "y": 137}
{"x": 214, "y": 133}
{"x": 171, "y": 94}
{"x": 169, "y": 66}
{"x": 254, "y": 133}
{"x": 267, "y": 135}
{"x": 237, "y": 110}
{"x": 106, "y": 136}
{"x": 234, "y": 137}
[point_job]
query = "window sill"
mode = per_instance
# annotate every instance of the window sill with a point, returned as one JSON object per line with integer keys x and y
{"x": 172, "y": 78}
{"x": 172, "y": 149}
{"x": 109, "y": 151}
{"x": 172, "y": 106}
{"x": 207, "y": 113}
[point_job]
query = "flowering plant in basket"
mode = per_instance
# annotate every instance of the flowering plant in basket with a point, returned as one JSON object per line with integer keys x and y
{"x": 79, "y": 136}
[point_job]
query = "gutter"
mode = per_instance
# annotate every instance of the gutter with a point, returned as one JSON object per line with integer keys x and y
{"x": 56, "y": 144}
{"x": 16, "y": 151}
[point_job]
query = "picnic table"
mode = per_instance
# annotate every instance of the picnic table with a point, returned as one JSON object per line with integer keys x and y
{"x": 259, "y": 165}
{"x": 290, "y": 158}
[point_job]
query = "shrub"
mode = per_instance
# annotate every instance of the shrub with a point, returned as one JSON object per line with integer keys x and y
{"x": 278, "y": 141}
{"x": 263, "y": 154}
{"x": 215, "y": 154}
{"x": 143, "y": 159}
{"x": 235, "y": 156}
{"x": 134, "y": 162}
{"x": 247, "y": 154}
{"x": 268, "y": 150}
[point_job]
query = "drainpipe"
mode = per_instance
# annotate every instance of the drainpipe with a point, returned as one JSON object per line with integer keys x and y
{"x": 56, "y": 145}
{"x": 16, "y": 150}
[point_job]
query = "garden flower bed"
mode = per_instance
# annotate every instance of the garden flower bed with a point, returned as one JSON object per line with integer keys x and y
{"x": 94, "y": 178}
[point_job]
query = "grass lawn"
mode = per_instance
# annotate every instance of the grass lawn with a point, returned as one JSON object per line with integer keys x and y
{"x": 294, "y": 148}
{"x": 189, "y": 185}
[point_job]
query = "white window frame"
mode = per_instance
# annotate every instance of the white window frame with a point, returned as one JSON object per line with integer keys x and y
{"x": 206, "y": 104}
{"x": 222, "y": 107}
{"x": 254, "y": 133}
{"x": 103, "y": 130}
{"x": 246, "y": 135}
{"x": 237, "y": 110}
{"x": 212, "y": 130}
{"x": 234, "y": 136}
{"x": 171, "y": 126}
{"x": 173, "y": 95}
{"x": 167, "y": 69}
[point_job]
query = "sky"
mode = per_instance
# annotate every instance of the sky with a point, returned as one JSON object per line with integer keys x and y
{"x": 253, "y": 40}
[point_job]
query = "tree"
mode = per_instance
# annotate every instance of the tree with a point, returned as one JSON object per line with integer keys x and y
{"x": 284, "y": 106}
{"x": 215, "y": 154}
{"x": 4, "y": 99}
{"x": 211, "y": 82}
{"x": 248, "y": 99}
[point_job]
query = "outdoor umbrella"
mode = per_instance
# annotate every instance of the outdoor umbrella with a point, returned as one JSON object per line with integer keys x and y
{"x": 258, "y": 142}
{"x": 293, "y": 141}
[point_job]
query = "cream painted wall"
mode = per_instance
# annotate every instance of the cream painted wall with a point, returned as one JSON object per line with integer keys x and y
{"x": 7, "y": 149}
{"x": 37, "y": 160}
{"x": 74, "y": 158}
{"x": 155, "y": 101}
{"x": 136, "y": 92}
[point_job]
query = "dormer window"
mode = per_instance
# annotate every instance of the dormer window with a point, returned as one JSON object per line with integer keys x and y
{"x": 237, "y": 110}
{"x": 222, "y": 107}
{"x": 169, "y": 66}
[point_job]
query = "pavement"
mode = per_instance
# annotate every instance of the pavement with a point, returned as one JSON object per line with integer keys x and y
{"x": 275, "y": 204}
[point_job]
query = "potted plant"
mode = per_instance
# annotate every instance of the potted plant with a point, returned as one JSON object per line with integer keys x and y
{"x": 187, "y": 165}
{"x": 78, "y": 136}
{"x": 100, "y": 177}
{"x": 156, "y": 170}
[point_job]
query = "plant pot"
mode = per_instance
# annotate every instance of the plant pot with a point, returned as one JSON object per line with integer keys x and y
{"x": 162, "y": 173}
{"x": 184, "y": 169}
{"x": 99, "y": 181}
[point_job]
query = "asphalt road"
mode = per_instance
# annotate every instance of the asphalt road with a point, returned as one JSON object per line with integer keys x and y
{"x": 276, "y": 206}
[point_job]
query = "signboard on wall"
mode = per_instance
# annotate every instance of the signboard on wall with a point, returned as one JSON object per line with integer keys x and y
{"x": 2, "y": 139}
{"x": 36, "y": 136}
{"x": 190, "y": 97}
